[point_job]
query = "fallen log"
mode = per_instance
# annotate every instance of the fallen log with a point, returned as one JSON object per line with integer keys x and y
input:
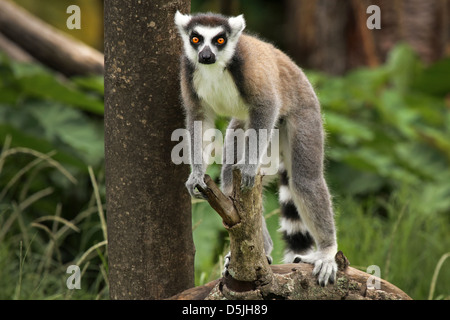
{"x": 294, "y": 281}
{"x": 46, "y": 44}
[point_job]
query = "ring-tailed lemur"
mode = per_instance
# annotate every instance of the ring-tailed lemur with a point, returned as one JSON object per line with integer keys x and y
{"x": 229, "y": 73}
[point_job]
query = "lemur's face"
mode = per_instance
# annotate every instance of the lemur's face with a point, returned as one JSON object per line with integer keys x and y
{"x": 209, "y": 38}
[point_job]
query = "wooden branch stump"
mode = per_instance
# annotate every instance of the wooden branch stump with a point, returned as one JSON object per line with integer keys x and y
{"x": 249, "y": 268}
{"x": 223, "y": 205}
{"x": 249, "y": 275}
{"x": 242, "y": 214}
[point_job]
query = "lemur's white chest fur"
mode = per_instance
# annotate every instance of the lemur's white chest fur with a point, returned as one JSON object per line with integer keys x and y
{"x": 217, "y": 90}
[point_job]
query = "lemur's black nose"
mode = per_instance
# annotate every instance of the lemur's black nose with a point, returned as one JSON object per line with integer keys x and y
{"x": 206, "y": 56}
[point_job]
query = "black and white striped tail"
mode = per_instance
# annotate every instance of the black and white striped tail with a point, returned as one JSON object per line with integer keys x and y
{"x": 295, "y": 234}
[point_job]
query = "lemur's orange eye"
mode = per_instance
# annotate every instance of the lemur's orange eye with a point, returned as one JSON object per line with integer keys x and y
{"x": 195, "y": 40}
{"x": 221, "y": 41}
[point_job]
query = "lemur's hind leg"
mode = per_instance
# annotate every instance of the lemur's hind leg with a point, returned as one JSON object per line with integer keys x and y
{"x": 303, "y": 154}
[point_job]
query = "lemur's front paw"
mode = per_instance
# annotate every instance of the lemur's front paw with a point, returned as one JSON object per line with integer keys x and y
{"x": 248, "y": 174}
{"x": 325, "y": 266}
{"x": 192, "y": 183}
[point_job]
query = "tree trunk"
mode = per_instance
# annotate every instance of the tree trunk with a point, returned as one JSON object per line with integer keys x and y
{"x": 316, "y": 31}
{"x": 251, "y": 278}
{"x": 150, "y": 245}
{"x": 46, "y": 44}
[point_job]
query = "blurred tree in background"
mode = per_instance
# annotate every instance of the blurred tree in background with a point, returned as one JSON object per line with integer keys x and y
{"x": 54, "y": 13}
{"x": 385, "y": 96}
{"x": 332, "y": 36}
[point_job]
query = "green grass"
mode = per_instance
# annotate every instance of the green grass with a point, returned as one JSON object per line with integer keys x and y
{"x": 36, "y": 249}
{"x": 405, "y": 242}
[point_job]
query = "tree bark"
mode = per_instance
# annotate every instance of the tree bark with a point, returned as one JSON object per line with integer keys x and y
{"x": 250, "y": 277}
{"x": 150, "y": 245}
{"x": 46, "y": 44}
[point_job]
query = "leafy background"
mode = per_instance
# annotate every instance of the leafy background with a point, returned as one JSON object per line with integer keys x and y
{"x": 388, "y": 156}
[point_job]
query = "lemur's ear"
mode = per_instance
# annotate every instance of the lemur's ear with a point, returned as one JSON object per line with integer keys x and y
{"x": 182, "y": 20}
{"x": 237, "y": 24}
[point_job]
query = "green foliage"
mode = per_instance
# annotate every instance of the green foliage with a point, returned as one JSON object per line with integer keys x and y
{"x": 45, "y": 113}
{"x": 51, "y": 131}
{"x": 388, "y": 128}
